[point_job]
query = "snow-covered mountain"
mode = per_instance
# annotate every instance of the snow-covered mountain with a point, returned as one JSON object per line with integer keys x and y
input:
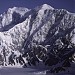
{"x": 12, "y": 17}
{"x": 21, "y": 27}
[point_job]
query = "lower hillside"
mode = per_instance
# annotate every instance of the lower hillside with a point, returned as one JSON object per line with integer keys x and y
{"x": 54, "y": 59}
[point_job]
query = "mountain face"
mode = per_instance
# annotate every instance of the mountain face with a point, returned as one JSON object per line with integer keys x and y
{"x": 12, "y": 17}
{"x": 43, "y": 25}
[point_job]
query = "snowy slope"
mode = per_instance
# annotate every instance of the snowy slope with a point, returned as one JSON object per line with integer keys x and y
{"x": 23, "y": 30}
{"x": 10, "y": 17}
{"x": 44, "y": 25}
{"x": 32, "y": 71}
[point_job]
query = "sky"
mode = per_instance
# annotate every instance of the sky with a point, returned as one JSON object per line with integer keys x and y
{"x": 59, "y": 4}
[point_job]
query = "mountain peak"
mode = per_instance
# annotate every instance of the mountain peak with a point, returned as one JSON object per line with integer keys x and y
{"x": 20, "y": 10}
{"x": 7, "y": 17}
{"x": 47, "y": 6}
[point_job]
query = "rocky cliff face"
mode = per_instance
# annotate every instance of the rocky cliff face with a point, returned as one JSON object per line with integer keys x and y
{"x": 44, "y": 25}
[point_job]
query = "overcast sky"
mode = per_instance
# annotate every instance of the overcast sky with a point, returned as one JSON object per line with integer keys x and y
{"x": 65, "y": 4}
